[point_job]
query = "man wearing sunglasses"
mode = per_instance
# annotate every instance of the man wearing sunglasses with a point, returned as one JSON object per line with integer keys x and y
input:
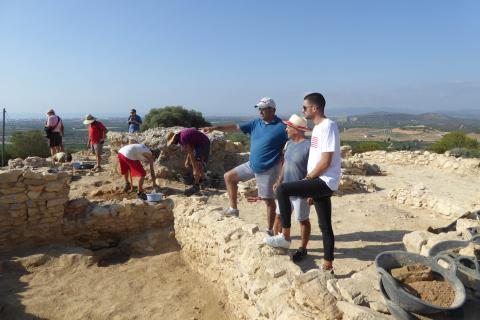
{"x": 267, "y": 139}
{"x": 322, "y": 179}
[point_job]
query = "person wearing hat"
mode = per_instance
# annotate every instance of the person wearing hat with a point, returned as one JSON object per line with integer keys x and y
{"x": 197, "y": 147}
{"x": 54, "y": 131}
{"x": 267, "y": 139}
{"x": 321, "y": 180}
{"x": 294, "y": 168}
{"x": 96, "y": 137}
{"x": 134, "y": 121}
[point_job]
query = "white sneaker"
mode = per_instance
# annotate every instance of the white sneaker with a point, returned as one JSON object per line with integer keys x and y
{"x": 277, "y": 241}
{"x": 230, "y": 212}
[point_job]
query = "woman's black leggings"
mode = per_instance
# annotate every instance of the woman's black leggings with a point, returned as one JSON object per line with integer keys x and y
{"x": 321, "y": 193}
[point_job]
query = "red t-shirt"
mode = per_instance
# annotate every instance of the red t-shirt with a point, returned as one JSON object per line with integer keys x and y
{"x": 96, "y": 132}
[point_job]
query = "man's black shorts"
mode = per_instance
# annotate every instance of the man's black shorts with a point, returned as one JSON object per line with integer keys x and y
{"x": 55, "y": 139}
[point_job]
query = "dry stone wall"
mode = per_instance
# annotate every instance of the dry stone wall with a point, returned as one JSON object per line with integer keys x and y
{"x": 423, "y": 158}
{"x": 260, "y": 282}
{"x": 35, "y": 210}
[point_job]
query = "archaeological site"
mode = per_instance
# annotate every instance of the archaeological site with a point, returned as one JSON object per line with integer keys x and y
{"x": 73, "y": 245}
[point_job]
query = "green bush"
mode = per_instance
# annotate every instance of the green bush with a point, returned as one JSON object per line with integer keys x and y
{"x": 365, "y": 146}
{"x": 465, "y": 153}
{"x": 454, "y": 140}
{"x": 172, "y": 116}
{"x": 30, "y": 143}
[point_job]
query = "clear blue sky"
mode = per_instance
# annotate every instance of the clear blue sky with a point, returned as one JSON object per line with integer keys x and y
{"x": 220, "y": 57}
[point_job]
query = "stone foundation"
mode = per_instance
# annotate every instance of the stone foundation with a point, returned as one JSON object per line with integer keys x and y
{"x": 35, "y": 210}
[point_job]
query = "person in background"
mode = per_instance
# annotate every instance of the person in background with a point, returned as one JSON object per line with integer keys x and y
{"x": 96, "y": 138}
{"x": 267, "y": 139}
{"x": 294, "y": 169}
{"x": 134, "y": 121}
{"x": 197, "y": 147}
{"x": 130, "y": 157}
{"x": 322, "y": 179}
{"x": 54, "y": 130}
{"x": 62, "y": 157}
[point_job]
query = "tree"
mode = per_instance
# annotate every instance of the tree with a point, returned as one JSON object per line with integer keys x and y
{"x": 30, "y": 143}
{"x": 454, "y": 140}
{"x": 171, "y": 116}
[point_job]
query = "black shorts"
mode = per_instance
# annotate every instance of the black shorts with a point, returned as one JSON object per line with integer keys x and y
{"x": 55, "y": 139}
{"x": 202, "y": 153}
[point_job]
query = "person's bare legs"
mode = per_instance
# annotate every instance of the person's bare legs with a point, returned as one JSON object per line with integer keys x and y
{"x": 99, "y": 159}
{"x": 140, "y": 184}
{"x": 277, "y": 225}
{"x": 231, "y": 181}
{"x": 271, "y": 206}
{"x": 305, "y": 228}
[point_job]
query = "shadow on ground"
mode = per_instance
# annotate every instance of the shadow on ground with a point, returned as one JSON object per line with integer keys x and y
{"x": 373, "y": 243}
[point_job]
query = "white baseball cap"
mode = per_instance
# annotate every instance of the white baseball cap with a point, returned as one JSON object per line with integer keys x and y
{"x": 266, "y": 103}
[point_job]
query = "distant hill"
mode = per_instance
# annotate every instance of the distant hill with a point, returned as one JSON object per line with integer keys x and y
{"x": 437, "y": 121}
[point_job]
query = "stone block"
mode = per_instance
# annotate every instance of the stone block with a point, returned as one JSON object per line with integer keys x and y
{"x": 414, "y": 241}
{"x": 56, "y": 202}
{"x": 101, "y": 212}
{"x": 35, "y": 188}
{"x": 54, "y": 186}
{"x": 32, "y": 175}
{"x": 7, "y": 176}
{"x": 34, "y": 194}
{"x": 14, "y": 198}
{"x": 33, "y": 182}
{"x": 353, "y": 312}
{"x": 7, "y": 191}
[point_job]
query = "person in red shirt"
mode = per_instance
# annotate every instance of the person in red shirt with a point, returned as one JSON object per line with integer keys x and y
{"x": 96, "y": 137}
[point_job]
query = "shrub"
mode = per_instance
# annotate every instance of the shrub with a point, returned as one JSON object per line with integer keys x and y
{"x": 454, "y": 140}
{"x": 30, "y": 143}
{"x": 172, "y": 116}
{"x": 465, "y": 153}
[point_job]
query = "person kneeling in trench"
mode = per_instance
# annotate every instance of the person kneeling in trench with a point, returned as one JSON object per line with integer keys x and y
{"x": 130, "y": 157}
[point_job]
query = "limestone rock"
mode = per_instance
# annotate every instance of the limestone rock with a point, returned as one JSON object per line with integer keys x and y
{"x": 353, "y": 312}
{"x": 414, "y": 241}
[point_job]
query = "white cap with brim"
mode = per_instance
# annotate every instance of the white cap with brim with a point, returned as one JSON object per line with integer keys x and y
{"x": 89, "y": 119}
{"x": 266, "y": 103}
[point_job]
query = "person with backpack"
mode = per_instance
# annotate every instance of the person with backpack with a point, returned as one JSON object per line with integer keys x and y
{"x": 96, "y": 138}
{"x": 54, "y": 130}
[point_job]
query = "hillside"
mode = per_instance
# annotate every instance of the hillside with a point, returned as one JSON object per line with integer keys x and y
{"x": 437, "y": 121}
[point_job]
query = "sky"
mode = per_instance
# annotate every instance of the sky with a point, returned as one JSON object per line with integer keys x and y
{"x": 220, "y": 57}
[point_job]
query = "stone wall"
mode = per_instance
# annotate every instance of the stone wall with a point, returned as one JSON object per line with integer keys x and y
{"x": 35, "y": 210}
{"x": 423, "y": 158}
{"x": 260, "y": 282}
{"x": 224, "y": 154}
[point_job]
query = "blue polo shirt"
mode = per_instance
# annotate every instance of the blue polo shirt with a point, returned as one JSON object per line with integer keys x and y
{"x": 266, "y": 142}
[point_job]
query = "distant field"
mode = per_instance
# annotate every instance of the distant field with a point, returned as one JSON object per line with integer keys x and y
{"x": 394, "y": 134}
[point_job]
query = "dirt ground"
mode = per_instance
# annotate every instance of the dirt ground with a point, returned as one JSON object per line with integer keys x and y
{"x": 61, "y": 284}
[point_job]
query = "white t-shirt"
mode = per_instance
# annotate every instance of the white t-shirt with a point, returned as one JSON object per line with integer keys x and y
{"x": 134, "y": 151}
{"x": 326, "y": 138}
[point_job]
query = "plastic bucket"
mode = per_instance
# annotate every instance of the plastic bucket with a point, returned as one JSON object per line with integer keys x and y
{"x": 388, "y": 260}
{"x": 155, "y": 197}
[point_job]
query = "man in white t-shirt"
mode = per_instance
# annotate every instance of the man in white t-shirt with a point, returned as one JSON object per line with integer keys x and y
{"x": 130, "y": 158}
{"x": 322, "y": 179}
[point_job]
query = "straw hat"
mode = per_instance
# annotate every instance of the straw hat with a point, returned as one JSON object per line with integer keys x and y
{"x": 297, "y": 122}
{"x": 89, "y": 119}
{"x": 170, "y": 138}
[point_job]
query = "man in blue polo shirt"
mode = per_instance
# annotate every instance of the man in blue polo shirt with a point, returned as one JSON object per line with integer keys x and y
{"x": 267, "y": 139}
